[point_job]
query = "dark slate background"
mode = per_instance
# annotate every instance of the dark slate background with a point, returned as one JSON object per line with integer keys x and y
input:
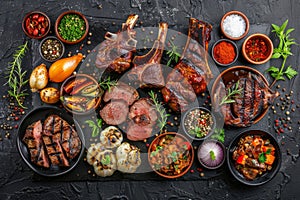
{"x": 17, "y": 181}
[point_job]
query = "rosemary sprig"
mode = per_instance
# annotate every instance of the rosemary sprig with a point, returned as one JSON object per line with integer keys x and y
{"x": 173, "y": 53}
{"x": 231, "y": 92}
{"x": 16, "y": 75}
{"x": 163, "y": 115}
{"x": 107, "y": 83}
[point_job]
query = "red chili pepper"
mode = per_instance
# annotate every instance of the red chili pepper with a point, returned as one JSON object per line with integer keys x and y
{"x": 41, "y": 19}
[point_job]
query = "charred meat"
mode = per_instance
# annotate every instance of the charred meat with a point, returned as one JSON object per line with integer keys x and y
{"x": 115, "y": 53}
{"x": 121, "y": 91}
{"x": 193, "y": 68}
{"x": 254, "y": 98}
{"x": 115, "y": 112}
{"x": 142, "y": 117}
{"x": 33, "y": 140}
{"x": 147, "y": 68}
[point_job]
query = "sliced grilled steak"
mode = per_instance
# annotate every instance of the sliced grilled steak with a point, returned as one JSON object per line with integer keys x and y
{"x": 70, "y": 140}
{"x": 143, "y": 117}
{"x": 121, "y": 91}
{"x": 52, "y": 134}
{"x": 115, "y": 112}
{"x": 136, "y": 132}
{"x": 255, "y": 96}
{"x": 34, "y": 142}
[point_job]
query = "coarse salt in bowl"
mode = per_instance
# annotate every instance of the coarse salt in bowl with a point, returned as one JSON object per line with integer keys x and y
{"x": 234, "y": 25}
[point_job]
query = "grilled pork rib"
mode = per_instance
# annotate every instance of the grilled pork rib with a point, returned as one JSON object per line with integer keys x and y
{"x": 192, "y": 72}
{"x": 115, "y": 53}
{"x": 34, "y": 142}
{"x": 147, "y": 68}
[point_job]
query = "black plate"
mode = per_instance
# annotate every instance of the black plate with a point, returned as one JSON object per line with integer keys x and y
{"x": 268, "y": 175}
{"x": 41, "y": 114}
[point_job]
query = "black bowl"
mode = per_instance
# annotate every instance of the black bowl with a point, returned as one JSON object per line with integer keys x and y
{"x": 42, "y": 113}
{"x": 266, "y": 176}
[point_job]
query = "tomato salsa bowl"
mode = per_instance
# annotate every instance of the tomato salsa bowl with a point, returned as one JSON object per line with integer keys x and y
{"x": 257, "y": 48}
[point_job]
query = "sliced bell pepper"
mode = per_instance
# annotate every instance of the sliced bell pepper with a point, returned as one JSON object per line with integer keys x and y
{"x": 78, "y": 88}
{"x": 269, "y": 159}
{"x": 241, "y": 159}
{"x": 91, "y": 103}
{"x": 74, "y": 107}
{"x": 69, "y": 87}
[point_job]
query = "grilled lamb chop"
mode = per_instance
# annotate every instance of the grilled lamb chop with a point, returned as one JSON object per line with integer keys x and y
{"x": 147, "y": 68}
{"x": 115, "y": 112}
{"x": 115, "y": 53}
{"x": 34, "y": 142}
{"x": 143, "y": 117}
{"x": 121, "y": 91}
{"x": 255, "y": 97}
{"x": 193, "y": 67}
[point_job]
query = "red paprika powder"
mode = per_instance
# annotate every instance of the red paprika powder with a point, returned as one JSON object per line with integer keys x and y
{"x": 224, "y": 52}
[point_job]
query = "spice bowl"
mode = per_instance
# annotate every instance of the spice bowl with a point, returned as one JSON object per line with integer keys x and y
{"x": 257, "y": 48}
{"x": 211, "y": 154}
{"x": 51, "y": 49}
{"x": 198, "y": 123}
{"x": 36, "y": 24}
{"x": 71, "y": 27}
{"x": 225, "y": 52}
{"x": 234, "y": 25}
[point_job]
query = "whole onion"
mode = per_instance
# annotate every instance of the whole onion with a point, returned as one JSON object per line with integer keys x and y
{"x": 211, "y": 154}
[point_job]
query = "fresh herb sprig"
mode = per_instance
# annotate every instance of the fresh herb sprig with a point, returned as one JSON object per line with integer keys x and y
{"x": 107, "y": 83}
{"x": 197, "y": 131}
{"x": 282, "y": 51}
{"x": 105, "y": 160}
{"x": 235, "y": 90}
{"x": 212, "y": 155}
{"x": 163, "y": 115}
{"x": 173, "y": 53}
{"x": 16, "y": 75}
{"x": 96, "y": 126}
{"x": 262, "y": 156}
{"x": 219, "y": 135}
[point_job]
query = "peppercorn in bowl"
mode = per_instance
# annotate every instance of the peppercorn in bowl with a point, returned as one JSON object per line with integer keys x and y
{"x": 71, "y": 27}
{"x": 257, "y": 48}
{"x": 51, "y": 49}
{"x": 198, "y": 123}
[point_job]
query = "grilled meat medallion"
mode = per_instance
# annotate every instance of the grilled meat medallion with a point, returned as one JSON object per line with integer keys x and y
{"x": 55, "y": 141}
{"x": 33, "y": 140}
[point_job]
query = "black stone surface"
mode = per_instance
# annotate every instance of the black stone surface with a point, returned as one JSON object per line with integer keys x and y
{"x": 17, "y": 181}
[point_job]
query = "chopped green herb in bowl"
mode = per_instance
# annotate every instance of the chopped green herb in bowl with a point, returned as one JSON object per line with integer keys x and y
{"x": 71, "y": 27}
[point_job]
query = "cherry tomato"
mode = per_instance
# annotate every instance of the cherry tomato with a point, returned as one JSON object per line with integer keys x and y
{"x": 35, "y": 32}
{"x": 35, "y": 16}
{"x": 42, "y": 31}
{"x": 41, "y": 19}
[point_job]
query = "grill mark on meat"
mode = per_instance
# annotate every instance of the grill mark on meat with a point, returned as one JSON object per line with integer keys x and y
{"x": 33, "y": 140}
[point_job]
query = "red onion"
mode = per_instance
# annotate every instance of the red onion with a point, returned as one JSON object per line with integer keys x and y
{"x": 211, "y": 154}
